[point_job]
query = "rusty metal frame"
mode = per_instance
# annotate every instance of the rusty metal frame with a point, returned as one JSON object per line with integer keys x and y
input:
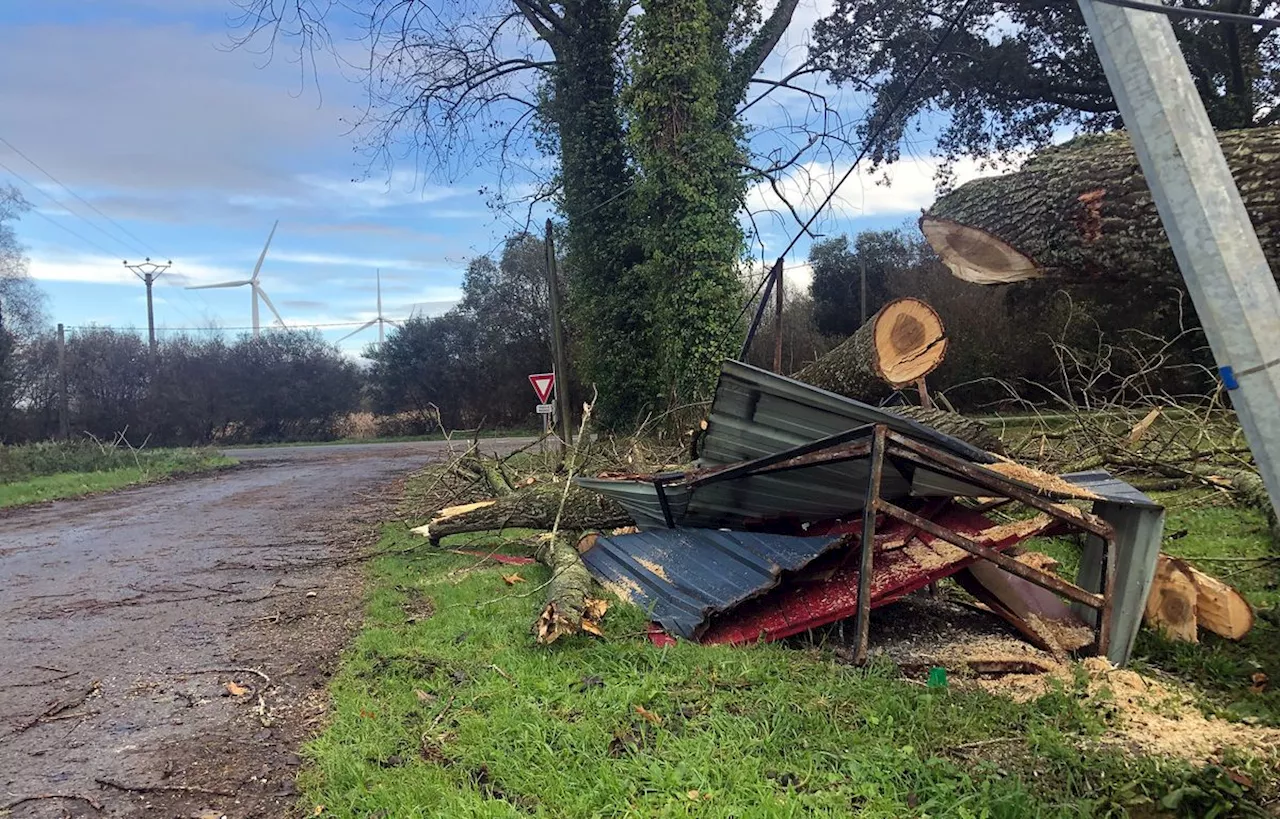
{"x": 884, "y": 442}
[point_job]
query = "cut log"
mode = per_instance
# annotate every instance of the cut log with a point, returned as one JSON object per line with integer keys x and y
{"x": 1219, "y": 607}
{"x": 969, "y": 430}
{"x": 531, "y": 507}
{"x": 902, "y": 342}
{"x": 572, "y": 605}
{"x": 1171, "y": 605}
{"x": 1082, "y": 212}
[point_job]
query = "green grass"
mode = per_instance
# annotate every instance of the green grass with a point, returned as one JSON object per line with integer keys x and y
{"x": 443, "y": 706}
{"x": 40, "y": 472}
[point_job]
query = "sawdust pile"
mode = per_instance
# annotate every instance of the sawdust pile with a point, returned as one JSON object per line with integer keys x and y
{"x": 1041, "y": 480}
{"x": 1144, "y": 713}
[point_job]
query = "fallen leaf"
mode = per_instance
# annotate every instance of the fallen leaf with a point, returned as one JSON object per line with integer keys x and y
{"x": 1243, "y": 780}
{"x": 311, "y": 594}
{"x": 236, "y": 690}
{"x": 423, "y": 696}
{"x": 693, "y": 796}
{"x": 1259, "y": 681}
{"x": 512, "y": 579}
{"x": 318, "y": 810}
{"x": 649, "y": 715}
{"x": 368, "y": 714}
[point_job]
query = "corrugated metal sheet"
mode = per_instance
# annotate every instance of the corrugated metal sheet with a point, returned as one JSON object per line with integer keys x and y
{"x": 756, "y": 412}
{"x": 683, "y": 576}
{"x": 1103, "y": 483}
{"x": 1139, "y": 534}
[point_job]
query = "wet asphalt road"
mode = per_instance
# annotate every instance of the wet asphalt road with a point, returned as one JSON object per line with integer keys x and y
{"x": 123, "y": 616}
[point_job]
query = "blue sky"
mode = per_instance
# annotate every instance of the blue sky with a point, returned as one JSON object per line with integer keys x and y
{"x": 192, "y": 149}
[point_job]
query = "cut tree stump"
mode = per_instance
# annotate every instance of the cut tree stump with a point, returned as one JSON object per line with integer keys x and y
{"x": 902, "y": 342}
{"x": 1219, "y": 607}
{"x": 1082, "y": 212}
{"x": 1171, "y": 605}
{"x": 531, "y": 507}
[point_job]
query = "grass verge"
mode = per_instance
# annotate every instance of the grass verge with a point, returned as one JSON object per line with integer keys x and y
{"x": 443, "y": 706}
{"x": 44, "y": 479}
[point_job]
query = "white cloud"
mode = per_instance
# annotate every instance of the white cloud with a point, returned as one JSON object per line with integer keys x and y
{"x": 905, "y": 187}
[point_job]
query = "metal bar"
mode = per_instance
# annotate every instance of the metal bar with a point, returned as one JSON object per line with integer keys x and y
{"x": 928, "y": 456}
{"x": 774, "y": 273}
{"x": 862, "y": 625}
{"x": 664, "y": 503}
{"x": 1108, "y": 592}
{"x": 745, "y": 468}
{"x": 1047, "y": 581}
{"x": 1216, "y": 247}
{"x": 777, "y": 326}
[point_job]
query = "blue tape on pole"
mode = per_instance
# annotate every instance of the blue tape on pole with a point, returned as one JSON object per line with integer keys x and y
{"x": 1228, "y": 378}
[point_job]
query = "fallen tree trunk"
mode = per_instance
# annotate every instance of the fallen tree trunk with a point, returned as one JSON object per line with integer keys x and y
{"x": 969, "y": 430}
{"x": 533, "y": 507}
{"x": 570, "y": 605}
{"x": 903, "y": 341}
{"x": 1082, "y": 212}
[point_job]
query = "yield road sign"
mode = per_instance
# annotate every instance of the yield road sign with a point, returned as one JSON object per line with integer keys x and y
{"x": 542, "y": 384}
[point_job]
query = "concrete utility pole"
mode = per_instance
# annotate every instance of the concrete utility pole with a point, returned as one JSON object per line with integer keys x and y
{"x": 149, "y": 271}
{"x": 1227, "y": 275}
{"x": 561, "y": 360}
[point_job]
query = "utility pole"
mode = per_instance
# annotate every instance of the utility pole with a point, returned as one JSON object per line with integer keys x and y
{"x": 862, "y": 299}
{"x": 777, "y": 327}
{"x": 64, "y": 421}
{"x": 149, "y": 271}
{"x": 561, "y": 361}
{"x": 1231, "y": 285}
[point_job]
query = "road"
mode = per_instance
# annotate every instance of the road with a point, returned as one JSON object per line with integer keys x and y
{"x": 164, "y": 650}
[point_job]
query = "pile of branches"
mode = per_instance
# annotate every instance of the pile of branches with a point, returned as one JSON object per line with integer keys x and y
{"x": 1106, "y": 411}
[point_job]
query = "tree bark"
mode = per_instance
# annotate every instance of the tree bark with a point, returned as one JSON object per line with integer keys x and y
{"x": 969, "y": 430}
{"x": 1082, "y": 212}
{"x": 569, "y": 606}
{"x": 903, "y": 341}
{"x": 533, "y": 507}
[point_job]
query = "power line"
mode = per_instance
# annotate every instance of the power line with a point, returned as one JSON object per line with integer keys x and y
{"x": 59, "y": 203}
{"x": 210, "y": 329}
{"x": 876, "y": 133}
{"x": 82, "y": 238}
{"x": 1202, "y": 14}
{"x": 141, "y": 244}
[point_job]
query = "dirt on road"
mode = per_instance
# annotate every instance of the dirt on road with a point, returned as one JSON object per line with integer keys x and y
{"x": 164, "y": 650}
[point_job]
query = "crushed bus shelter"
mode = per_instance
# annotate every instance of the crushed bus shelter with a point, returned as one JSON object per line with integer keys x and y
{"x": 790, "y": 463}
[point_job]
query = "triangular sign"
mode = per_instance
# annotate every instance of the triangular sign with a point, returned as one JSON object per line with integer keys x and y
{"x": 542, "y": 385}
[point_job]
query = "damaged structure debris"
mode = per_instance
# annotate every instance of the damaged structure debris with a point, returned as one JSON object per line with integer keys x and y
{"x": 806, "y": 508}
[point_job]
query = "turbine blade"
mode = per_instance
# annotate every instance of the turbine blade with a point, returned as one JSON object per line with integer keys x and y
{"x": 270, "y": 306}
{"x": 263, "y": 256}
{"x": 359, "y": 329}
{"x": 220, "y": 284}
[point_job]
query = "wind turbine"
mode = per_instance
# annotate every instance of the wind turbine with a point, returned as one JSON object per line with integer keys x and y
{"x": 381, "y": 320}
{"x": 256, "y": 291}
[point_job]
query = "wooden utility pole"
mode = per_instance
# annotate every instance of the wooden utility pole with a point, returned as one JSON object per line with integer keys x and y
{"x": 862, "y": 300}
{"x": 64, "y": 422}
{"x": 560, "y": 359}
{"x": 777, "y": 328}
{"x": 149, "y": 271}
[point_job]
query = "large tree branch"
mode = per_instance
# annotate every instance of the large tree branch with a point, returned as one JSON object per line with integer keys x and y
{"x": 748, "y": 62}
{"x": 548, "y": 24}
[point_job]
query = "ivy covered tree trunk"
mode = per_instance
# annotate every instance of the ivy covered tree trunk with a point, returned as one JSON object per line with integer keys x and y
{"x": 606, "y": 299}
{"x": 689, "y": 189}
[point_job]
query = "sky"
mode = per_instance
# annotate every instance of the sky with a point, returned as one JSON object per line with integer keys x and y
{"x": 136, "y": 129}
